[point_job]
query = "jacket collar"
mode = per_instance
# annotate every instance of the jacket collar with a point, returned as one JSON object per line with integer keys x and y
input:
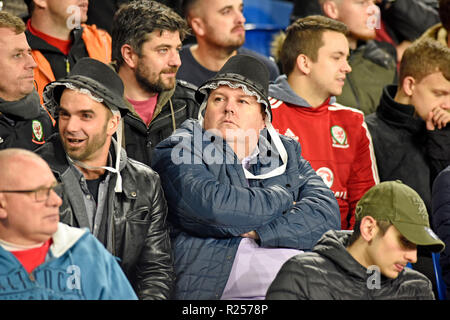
{"x": 53, "y": 152}
{"x": 397, "y": 114}
{"x": 281, "y": 90}
{"x": 65, "y": 238}
{"x": 37, "y": 43}
{"x": 26, "y": 108}
{"x": 333, "y": 245}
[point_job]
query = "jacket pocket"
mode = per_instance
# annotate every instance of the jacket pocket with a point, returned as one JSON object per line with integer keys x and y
{"x": 140, "y": 215}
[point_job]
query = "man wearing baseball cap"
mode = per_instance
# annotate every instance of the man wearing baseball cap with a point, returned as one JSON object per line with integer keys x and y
{"x": 119, "y": 199}
{"x": 241, "y": 198}
{"x": 370, "y": 262}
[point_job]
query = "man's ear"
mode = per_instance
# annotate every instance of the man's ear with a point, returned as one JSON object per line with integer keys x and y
{"x": 408, "y": 85}
{"x": 197, "y": 26}
{"x": 368, "y": 228}
{"x": 129, "y": 56}
{"x": 3, "y": 213}
{"x": 113, "y": 124}
{"x": 330, "y": 9}
{"x": 303, "y": 63}
{"x": 40, "y": 3}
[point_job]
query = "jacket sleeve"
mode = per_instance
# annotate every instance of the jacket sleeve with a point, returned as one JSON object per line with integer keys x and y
{"x": 102, "y": 278}
{"x": 203, "y": 206}
{"x": 119, "y": 288}
{"x": 154, "y": 271}
{"x": 315, "y": 211}
{"x": 291, "y": 282}
{"x": 409, "y": 19}
{"x": 364, "y": 173}
{"x": 441, "y": 218}
{"x": 438, "y": 146}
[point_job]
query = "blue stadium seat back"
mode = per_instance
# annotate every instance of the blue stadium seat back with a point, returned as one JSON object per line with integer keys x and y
{"x": 264, "y": 19}
{"x": 274, "y": 12}
{"x": 441, "y": 287}
{"x": 258, "y": 37}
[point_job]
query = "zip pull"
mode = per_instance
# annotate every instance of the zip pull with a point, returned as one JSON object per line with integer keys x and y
{"x": 67, "y": 66}
{"x": 31, "y": 276}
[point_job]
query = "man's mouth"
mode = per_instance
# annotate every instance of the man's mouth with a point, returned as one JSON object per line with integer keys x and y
{"x": 399, "y": 267}
{"x": 74, "y": 141}
{"x": 238, "y": 29}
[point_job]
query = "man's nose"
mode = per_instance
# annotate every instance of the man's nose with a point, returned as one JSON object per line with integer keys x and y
{"x": 54, "y": 199}
{"x": 240, "y": 19}
{"x": 411, "y": 255}
{"x": 175, "y": 60}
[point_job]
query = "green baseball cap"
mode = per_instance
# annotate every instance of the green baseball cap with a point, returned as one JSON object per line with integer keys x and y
{"x": 399, "y": 204}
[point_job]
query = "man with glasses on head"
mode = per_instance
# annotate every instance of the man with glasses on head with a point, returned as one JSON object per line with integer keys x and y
{"x": 41, "y": 258}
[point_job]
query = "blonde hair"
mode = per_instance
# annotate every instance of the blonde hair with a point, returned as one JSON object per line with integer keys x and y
{"x": 425, "y": 56}
{"x": 10, "y": 21}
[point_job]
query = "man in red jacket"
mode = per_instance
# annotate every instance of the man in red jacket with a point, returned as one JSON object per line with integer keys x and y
{"x": 334, "y": 138}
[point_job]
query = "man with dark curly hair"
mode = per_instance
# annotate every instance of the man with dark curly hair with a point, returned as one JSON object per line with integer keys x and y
{"x": 146, "y": 39}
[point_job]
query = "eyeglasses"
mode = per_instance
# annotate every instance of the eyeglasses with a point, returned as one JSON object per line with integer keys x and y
{"x": 41, "y": 194}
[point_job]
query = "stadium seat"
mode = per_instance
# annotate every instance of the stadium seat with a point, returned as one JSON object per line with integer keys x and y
{"x": 440, "y": 284}
{"x": 264, "y": 19}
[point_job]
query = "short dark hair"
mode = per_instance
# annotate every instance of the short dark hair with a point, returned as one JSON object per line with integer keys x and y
{"x": 304, "y": 36}
{"x": 186, "y": 6}
{"x": 423, "y": 57}
{"x": 134, "y": 21}
{"x": 382, "y": 225}
{"x": 444, "y": 13}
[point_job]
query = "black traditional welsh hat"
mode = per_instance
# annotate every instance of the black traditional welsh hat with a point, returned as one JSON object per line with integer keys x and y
{"x": 102, "y": 84}
{"x": 241, "y": 71}
{"x": 251, "y": 75}
{"x": 97, "y": 78}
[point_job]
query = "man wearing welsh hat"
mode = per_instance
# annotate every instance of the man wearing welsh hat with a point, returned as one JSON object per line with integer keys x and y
{"x": 369, "y": 263}
{"x": 119, "y": 199}
{"x": 241, "y": 198}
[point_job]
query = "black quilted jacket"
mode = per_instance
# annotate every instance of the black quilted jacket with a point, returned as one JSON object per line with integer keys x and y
{"x": 329, "y": 272}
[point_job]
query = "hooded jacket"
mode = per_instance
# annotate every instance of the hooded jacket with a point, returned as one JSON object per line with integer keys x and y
{"x": 77, "y": 267}
{"x": 24, "y": 123}
{"x": 211, "y": 204}
{"x": 52, "y": 64}
{"x": 136, "y": 219}
{"x": 329, "y": 272}
{"x": 334, "y": 139}
{"x": 404, "y": 148}
{"x": 172, "y": 108}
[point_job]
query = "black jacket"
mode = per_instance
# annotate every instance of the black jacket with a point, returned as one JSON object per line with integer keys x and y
{"x": 24, "y": 123}
{"x": 329, "y": 272}
{"x": 58, "y": 61}
{"x": 136, "y": 220}
{"x": 409, "y": 19}
{"x": 404, "y": 148}
{"x": 441, "y": 219}
{"x": 173, "y": 107}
